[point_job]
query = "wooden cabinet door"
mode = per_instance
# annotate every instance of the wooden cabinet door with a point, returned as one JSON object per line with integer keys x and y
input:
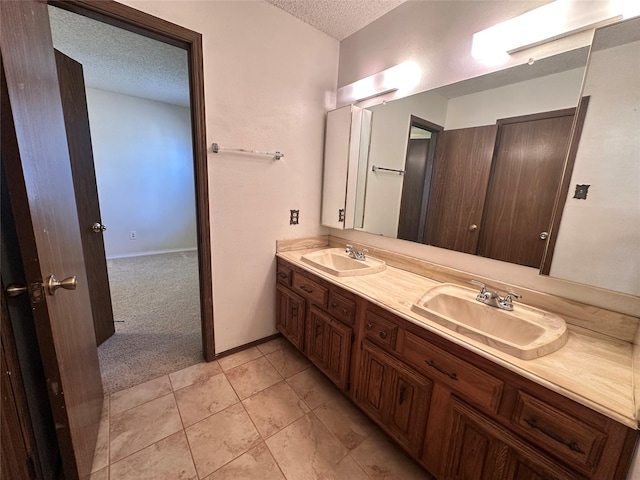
{"x": 395, "y": 395}
{"x": 329, "y": 346}
{"x": 480, "y": 449}
{"x": 460, "y": 178}
{"x": 290, "y": 313}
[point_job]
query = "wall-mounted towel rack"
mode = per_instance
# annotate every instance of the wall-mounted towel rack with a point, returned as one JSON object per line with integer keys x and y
{"x": 217, "y": 148}
{"x": 375, "y": 169}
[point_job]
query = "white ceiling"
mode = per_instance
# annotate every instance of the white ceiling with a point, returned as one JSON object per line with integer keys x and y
{"x": 337, "y": 18}
{"x": 120, "y": 61}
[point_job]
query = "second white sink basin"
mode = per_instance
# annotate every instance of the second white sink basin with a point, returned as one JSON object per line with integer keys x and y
{"x": 336, "y": 262}
{"x": 526, "y": 332}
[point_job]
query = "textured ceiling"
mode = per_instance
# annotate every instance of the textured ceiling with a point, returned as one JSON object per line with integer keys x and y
{"x": 120, "y": 61}
{"x": 337, "y": 18}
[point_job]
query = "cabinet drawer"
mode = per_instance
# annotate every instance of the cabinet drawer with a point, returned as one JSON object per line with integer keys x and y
{"x": 380, "y": 330}
{"x": 310, "y": 289}
{"x": 342, "y": 308}
{"x": 283, "y": 275}
{"x": 480, "y": 387}
{"x": 558, "y": 432}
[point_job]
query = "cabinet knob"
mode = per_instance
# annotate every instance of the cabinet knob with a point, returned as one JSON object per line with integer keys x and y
{"x": 473, "y": 227}
{"x": 368, "y": 326}
{"x": 383, "y": 335}
{"x": 544, "y": 235}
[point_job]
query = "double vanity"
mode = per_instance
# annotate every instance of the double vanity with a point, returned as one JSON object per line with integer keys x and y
{"x": 471, "y": 381}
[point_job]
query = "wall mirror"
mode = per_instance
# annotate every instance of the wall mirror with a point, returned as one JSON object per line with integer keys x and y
{"x": 475, "y": 167}
{"x": 598, "y": 241}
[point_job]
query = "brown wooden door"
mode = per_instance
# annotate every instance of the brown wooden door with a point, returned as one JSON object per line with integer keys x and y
{"x": 316, "y": 336}
{"x": 338, "y": 352}
{"x": 76, "y": 118}
{"x": 460, "y": 179}
{"x": 36, "y": 158}
{"x": 525, "y": 178}
{"x": 413, "y": 189}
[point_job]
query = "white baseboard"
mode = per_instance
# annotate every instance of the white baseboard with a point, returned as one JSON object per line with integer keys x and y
{"x": 151, "y": 252}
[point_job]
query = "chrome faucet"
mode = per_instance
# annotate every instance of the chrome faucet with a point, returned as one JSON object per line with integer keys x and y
{"x": 492, "y": 298}
{"x": 354, "y": 253}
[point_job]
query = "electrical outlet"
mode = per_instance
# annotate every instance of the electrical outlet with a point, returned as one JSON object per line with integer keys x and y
{"x": 133, "y": 235}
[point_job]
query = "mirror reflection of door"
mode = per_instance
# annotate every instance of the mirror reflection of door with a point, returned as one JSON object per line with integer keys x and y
{"x": 525, "y": 177}
{"x": 416, "y": 185}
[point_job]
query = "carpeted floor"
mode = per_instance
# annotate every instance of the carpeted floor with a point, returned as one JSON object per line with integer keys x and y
{"x": 156, "y": 308}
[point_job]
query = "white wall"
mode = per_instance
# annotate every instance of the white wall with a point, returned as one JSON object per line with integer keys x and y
{"x": 609, "y": 161}
{"x": 389, "y": 136}
{"x": 544, "y": 94}
{"x": 269, "y": 79}
{"x": 144, "y": 171}
{"x": 437, "y": 36}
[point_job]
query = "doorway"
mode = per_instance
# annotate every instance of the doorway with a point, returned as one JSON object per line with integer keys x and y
{"x": 416, "y": 185}
{"x": 149, "y": 180}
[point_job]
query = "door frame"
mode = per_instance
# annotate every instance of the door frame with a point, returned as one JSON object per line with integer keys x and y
{"x": 128, "y": 18}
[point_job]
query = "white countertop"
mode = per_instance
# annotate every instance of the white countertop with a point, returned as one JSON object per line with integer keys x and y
{"x": 592, "y": 369}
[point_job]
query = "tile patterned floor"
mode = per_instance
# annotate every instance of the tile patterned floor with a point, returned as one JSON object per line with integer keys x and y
{"x": 261, "y": 414}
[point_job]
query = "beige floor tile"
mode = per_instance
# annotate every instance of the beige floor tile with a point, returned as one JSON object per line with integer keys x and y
{"x": 100, "y": 474}
{"x": 140, "y": 426}
{"x": 273, "y": 345}
{"x": 347, "y": 469}
{"x": 305, "y": 449}
{"x": 197, "y": 373}
{"x": 288, "y": 361}
{"x": 253, "y": 377}
{"x": 239, "y": 358}
{"x": 313, "y": 387}
{"x": 382, "y": 460}
{"x": 134, "y": 396}
{"x": 345, "y": 421}
{"x": 274, "y": 408}
{"x": 168, "y": 459}
{"x": 200, "y": 400}
{"x": 101, "y": 453}
{"x": 256, "y": 464}
{"x": 220, "y": 438}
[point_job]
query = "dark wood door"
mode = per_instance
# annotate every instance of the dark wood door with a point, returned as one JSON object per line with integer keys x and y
{"x": 76, "y": 118}
{"x": 316, "y": 336}
{"x": 525, "y": 178}
{"x": 413, "y": 189}
{"x": 17, "y": 442}
{"x": 460, "y": 179}
{"x": 36, "y": 157}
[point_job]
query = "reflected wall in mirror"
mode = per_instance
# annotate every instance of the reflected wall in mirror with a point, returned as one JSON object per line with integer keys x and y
{"x": 488, "y": 181}
{"x": 599, "y": 237}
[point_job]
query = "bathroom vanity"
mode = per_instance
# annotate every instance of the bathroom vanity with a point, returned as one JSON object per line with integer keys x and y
{"x": 463, "y": 409}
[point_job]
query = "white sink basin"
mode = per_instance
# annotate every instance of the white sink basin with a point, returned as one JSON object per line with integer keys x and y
{"x": 526, "y": 332}
{"x": 336, "y": 262}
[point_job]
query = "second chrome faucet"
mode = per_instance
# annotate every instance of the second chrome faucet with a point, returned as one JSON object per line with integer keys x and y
{"x": 493, "y": 299}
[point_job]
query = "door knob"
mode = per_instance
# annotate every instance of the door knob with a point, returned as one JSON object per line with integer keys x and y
{"x": 544, "y": 235}
{"x": 15, "y": 290}
{"x": 53, "y": 284}
{"x": 98, "y": 227}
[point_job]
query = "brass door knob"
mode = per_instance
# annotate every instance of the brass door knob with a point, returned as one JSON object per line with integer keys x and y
{"x": 53, "y": 284}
